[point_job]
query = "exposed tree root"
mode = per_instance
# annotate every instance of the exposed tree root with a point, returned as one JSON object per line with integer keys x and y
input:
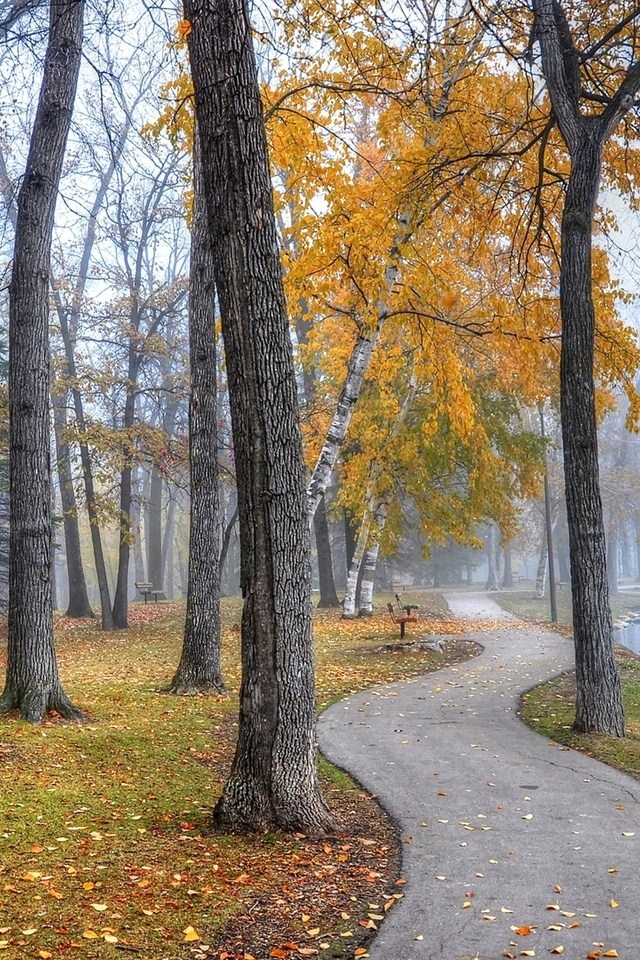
{"x": 185, "y": 686}
{"x": 35, "y": 702}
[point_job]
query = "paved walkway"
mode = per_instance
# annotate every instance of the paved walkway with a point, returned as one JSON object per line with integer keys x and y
{"x": 502, "y": 828}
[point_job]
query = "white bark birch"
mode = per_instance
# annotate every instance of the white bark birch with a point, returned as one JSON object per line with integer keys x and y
{"x": 376, "y": 510}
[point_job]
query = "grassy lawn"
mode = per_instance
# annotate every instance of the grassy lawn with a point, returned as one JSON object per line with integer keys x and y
{"x": 105, "y": 846}
{"x": 523, "y": 603}
{"x": 550, "y": 708}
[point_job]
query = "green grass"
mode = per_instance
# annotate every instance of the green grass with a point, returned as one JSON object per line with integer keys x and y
{"x": 523, "y": 603}
{"x": 550, "y": 710}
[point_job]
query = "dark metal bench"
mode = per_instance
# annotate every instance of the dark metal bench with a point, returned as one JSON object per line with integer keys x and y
{"x": 402, "y": 619}
{"x": 147, "y": 590}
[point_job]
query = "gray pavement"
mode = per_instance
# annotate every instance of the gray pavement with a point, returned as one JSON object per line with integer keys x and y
{"x": 501, "y": 828}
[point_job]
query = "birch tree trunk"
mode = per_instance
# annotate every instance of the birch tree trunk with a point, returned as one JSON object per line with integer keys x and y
{"x": 370, "y": 561}
{"x": 32, "y": 680}
{"x": 541, "y": 572}
{"x": 273, "y": 780}
{"x": 376, "y": 508}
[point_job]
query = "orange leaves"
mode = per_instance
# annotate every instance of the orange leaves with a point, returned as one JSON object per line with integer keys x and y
{"x": 524, "y": 930}
{"x": 183, "y": 30}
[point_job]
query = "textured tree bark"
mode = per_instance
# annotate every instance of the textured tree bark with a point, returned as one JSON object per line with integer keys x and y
{"x": 598, "y": 701}
{"x": 328, "y": 595}
{"x": 273, "y": 781}
{"x": 199, "y": 668}
{"x": 79, "y": 605}
{"x": 32, "y": 680}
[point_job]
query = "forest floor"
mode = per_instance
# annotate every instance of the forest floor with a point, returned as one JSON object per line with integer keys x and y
{"x": 105, "y": 842}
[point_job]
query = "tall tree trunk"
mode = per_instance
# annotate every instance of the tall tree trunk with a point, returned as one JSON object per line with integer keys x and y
{"x": 541, "y": 571}
{"x": 87, "y": 476}
{"x": 79, "y": 605}
{"x": 355, "y": 567}
{"x": 168, "y": 545}
{"x": 273, "y": 781}
{"x": 492, "y": 565}
{"x": 32, "y": 680}
{"x": 598, "y": 700}
{"x": 507, "y": 575}
{"x": 153, "y": 528}
{"x": 199, "y": 669}
{"x": 612, "y": 557}
{"x": 120, "y": 610}
{"x": 350, "y": 537}
{"x": 328, "y": 595}
{"x": 376, "y": 509}
{"x": 136, "y": 527}
{"x": 369, "y": 564}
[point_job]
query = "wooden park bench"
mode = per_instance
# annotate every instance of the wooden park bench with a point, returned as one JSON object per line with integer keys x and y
{"x": 410, "y": 615}
{"x": 147, "y": 590}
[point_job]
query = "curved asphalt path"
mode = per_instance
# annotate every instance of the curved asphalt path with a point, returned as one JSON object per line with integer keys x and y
{"x": 493, "y": 815}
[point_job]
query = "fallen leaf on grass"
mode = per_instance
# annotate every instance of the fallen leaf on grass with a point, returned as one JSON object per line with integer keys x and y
{"x": 100, "y": 907}
{"x": 90, "y": 935}
{"x": 190, "y": 935}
